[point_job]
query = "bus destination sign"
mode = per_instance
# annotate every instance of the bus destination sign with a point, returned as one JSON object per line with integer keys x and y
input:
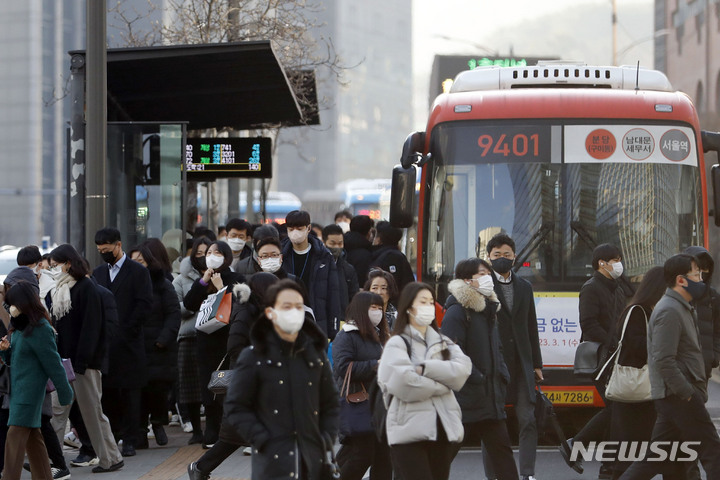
{"x": 211, "y": 158}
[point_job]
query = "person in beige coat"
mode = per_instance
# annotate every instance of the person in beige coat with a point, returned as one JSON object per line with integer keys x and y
{"x": 418, "y": 372}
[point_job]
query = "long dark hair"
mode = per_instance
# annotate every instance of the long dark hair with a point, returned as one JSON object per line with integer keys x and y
{"x": 651, "y": 289}
{"x": 160, "y": 253}
{"x": 153, "y": 264}
{"x": 376, "y": 272}
{"x": 25, "y": 298}
{"x": 67, "y": 253}
{"x": 357, "y": 312}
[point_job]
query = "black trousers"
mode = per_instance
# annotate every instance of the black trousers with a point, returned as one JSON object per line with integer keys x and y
{"x": 122, "y": 407}
{"x": 155, "y": 404}
{"x": 631, "y": 422}
{"x": 424, "y": 460}
{"x": 212, "y": 459}
{"x": 4, "y": 417}
{"x": 681, "y": 420}
{"x": 358, "y": 453}
{"x": 78, "y": 424}
{"x": 496, "y": 441}
{"x": 52, "y": 445}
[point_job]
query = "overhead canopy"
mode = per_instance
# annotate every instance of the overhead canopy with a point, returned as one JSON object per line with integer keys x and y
{"x": 237, "y": 85}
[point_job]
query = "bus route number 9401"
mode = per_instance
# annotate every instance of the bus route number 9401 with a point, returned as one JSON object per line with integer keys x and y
{"x": 519, "y": 145}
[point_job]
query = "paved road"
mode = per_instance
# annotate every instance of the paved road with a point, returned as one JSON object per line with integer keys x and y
{"x": 170, "y": 462}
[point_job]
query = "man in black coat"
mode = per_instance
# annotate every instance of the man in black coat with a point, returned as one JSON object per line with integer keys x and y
{"x": 708, "y": 311}
{"x": 517, "y": 324}
{"x": 305, "y": 257}
{"x": 127, "y": 373}
{"x": 358, "y": 245}
{"x": 387, "y": 254}
{"x": 347, "y": 278}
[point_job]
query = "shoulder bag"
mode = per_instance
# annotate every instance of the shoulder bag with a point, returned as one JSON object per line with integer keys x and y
{"x": 588, "y": 358}
{"x": 214, "y": 312}
{"x": 627, "y": 384}
{"x": 355, "y": 416}
{"x": 220, "y": 379}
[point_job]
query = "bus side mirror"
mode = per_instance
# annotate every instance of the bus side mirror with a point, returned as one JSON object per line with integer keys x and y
{"x": 402, "y": 196}
{"x": 715, "y": 174}
{"x": 412, "y": 149}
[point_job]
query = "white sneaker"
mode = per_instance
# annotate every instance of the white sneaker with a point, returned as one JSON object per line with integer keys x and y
{"x": 188, "y": 428}
{"x": 247, "y": 451}
{"x": 59, "y": 474}
{"x": 174, "y": 420}
{"x": 71, "y": 440}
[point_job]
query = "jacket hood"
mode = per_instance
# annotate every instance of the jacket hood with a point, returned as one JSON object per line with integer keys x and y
{"x": 186, "y": 269}
{"x": 262, "y": 331}
{"x": 354, "y": 240}
{"x": 468, "y": 297}
{"x": 241, "y": 292}
{"x": 702, "y": 254}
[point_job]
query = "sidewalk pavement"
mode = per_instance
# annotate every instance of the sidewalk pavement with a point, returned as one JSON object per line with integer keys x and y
{"x": 168, "y": 462}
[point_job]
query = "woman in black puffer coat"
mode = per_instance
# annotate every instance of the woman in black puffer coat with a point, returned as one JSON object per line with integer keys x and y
{"x": 160, "y": 331}
{"x": 360, "y": 342}
{"x": 282, "y": 398}
{"x": 470, "y": 321}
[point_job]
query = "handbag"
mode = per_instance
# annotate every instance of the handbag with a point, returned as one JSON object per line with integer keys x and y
{"x": 627, "y": 384}
{"x": 69, "y": 373}
{"x": 220, "y": 379}
{"x": 355, "y": 413}
{"x": 207, "y": 318}
{"x": 588, "y": 358}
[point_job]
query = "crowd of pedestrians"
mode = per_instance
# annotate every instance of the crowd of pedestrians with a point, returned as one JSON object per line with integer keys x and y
{"x": 330, "y": 338}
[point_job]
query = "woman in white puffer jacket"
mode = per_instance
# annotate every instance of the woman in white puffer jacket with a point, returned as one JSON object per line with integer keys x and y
{"x": 418, "y": 372}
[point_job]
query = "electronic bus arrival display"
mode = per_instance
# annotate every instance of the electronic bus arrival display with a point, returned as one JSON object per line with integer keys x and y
{"x": 211, "y": 158}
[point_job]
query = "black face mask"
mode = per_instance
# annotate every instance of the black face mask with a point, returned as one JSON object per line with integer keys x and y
{"x": 108, "y": 257}
{"x": 696, "y": 290}
{"x": 502, "y": 265}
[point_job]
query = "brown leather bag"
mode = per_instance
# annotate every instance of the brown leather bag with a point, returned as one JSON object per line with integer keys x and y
{"x": 357, "y": 397}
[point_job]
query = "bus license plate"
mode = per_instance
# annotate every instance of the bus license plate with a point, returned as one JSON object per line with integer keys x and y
{"x": 570, "y": 397}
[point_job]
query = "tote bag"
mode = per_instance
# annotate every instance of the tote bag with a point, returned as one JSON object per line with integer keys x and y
{"x": 207, "y": 318}
{"x": 627, "y": 384}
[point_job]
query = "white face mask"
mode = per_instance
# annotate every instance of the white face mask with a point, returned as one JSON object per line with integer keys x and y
{"x": 222, "y": 239}
{"x": 483, "y": 285}
{"x": 376, "y": 316}
{"x": 289, "y": 321}
{"x": 214, "y": 261}
{"x": 53, "y": 272}
{"x": 616, "y": 269}
{"x": 424, "y": 315}
{"x": 236, "y": 244}
{"x": 14, "y": 312}
{"x": 345, "y": 226}
{"x": 270, "y": 265}
{"x": 297, "y": 236}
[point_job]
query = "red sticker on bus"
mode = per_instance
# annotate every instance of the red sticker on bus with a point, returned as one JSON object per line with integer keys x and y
{"x": 600, "y": 144}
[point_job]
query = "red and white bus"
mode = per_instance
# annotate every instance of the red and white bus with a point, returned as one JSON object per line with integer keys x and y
{"x": 561, "y": 157}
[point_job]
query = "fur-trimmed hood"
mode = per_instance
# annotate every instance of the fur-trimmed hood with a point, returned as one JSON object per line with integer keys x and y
{"x": 468, "y": 297}
{"x": 241, "y": 292}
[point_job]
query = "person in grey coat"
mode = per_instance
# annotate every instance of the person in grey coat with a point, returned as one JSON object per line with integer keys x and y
{"x": 418, "y": 372}
{"x": 677, "y": 374}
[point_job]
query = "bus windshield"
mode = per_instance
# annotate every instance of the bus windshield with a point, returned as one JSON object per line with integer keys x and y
{"x": 559, "y": 189}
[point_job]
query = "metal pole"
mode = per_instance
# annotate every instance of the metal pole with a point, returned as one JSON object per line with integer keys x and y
{"x": 96, "y": 122}
{"x": 76, "y": 157}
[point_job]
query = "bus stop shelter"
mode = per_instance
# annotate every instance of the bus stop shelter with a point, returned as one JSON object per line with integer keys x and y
{"x": 154, "y": 96}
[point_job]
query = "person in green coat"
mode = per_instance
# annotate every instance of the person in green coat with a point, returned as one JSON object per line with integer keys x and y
{"x": 30, "y": 351}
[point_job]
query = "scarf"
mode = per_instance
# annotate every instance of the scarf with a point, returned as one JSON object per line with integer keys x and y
{"x": 61, "y": 295}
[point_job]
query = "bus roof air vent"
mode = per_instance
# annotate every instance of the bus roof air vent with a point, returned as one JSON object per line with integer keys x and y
{"x": 560, "y": 75}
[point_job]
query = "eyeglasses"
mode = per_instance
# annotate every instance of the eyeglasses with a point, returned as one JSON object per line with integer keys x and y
{"x": 269, "y": 255}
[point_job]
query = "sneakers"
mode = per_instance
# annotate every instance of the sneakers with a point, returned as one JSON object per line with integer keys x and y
{"x": 174, "y": 420}
{"x": 187, "y": 427}
{"x": 60, "y": 474}
{"x": 196, "y": 474}
{"x": 111, "y": 468}
{"x": 83, "y": 460}
{"x": 247, "y": 451}
{"x": 71, "y": 440}
{"x": 57, "y": 473}
{"x": 527, "y": 477}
